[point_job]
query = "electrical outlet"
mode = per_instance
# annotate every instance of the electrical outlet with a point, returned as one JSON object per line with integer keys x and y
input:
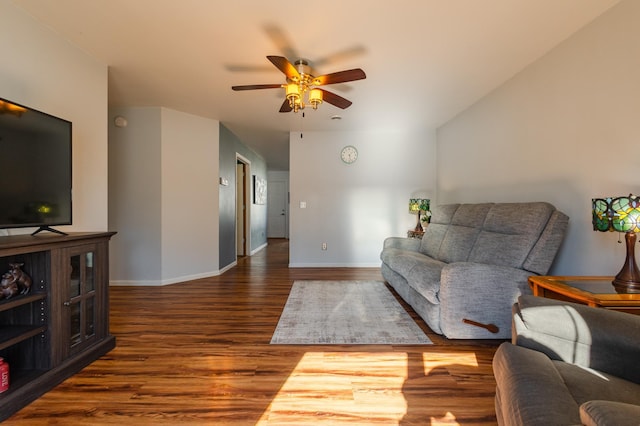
{"x": 324, "y": 246}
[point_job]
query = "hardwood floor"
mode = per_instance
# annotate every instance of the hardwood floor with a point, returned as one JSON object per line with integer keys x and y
{"x": 198, "y": 353}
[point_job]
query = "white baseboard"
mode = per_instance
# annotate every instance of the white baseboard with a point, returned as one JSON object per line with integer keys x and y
{"x": 334, "y": 265}
{"x": 258, "y": 249}
{"x": 143, "y": 283}
{"x": 229, "y": 266}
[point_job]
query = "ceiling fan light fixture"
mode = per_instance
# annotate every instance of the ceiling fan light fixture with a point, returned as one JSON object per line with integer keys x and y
{"x": 315, "y": 98}
{"x": 293, "y": 94}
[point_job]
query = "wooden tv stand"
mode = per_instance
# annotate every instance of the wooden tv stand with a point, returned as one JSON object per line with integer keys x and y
{"x": 62, "y": 324}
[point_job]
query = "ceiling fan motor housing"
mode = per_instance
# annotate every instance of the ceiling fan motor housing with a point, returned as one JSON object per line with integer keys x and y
{"x": 304, "y": 69}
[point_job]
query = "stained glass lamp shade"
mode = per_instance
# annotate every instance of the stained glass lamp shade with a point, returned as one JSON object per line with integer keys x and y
{"x": 621, "y": 214}
{"x": 418, "y": 205}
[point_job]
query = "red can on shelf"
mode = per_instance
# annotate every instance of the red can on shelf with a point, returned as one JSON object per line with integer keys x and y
{"x": 4, "y": 375}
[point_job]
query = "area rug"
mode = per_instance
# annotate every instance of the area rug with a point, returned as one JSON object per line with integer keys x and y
{"x": 345, "y": 312}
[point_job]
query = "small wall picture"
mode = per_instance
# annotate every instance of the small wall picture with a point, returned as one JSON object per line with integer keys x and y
{"x": 259, "y": 190}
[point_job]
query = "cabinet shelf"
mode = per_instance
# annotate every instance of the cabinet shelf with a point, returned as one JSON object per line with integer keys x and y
{"x": 17, "y": 333}
{"x": 14, "y": 302}
{"x": 19, "y": 378}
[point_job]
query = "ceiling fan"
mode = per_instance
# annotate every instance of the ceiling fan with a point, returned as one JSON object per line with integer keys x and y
{"x": 301, "y": 85}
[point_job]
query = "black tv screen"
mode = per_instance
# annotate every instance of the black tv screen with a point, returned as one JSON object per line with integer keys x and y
{"x": 35, "y": 168}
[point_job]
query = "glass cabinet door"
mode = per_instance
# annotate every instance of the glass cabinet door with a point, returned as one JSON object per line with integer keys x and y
{"x": 82, "y": 297}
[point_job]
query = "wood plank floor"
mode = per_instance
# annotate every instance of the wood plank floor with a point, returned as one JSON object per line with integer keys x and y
{"x": 198, "y": 353}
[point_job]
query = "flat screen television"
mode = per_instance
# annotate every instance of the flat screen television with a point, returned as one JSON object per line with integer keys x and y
{"x": 35, "y": 168}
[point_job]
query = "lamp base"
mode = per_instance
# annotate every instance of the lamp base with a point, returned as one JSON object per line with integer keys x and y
{"x": 628, "y": 279}
{"x": 623, "y": 287}
{"x": 418, "y": 227}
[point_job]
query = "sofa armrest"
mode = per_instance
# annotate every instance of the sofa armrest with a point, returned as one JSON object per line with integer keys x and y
{"x": 597, "y": 338}
{"x": 481, "y": 293}
{"x": 412, "y": 244}
{"x": 609, "y": 413}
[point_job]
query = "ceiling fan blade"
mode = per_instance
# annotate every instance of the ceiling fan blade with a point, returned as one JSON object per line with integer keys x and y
{"x": 335, "y": 100}
{"x": 248, "y": 68}
{"x": 257, "y": 86}
{"x": 339, "y": 56}
{"x": 285, "y": 106}
{"x": 285, "y": 66}
{"x": 340, "y": 77}
{"x": 281, "y": 40}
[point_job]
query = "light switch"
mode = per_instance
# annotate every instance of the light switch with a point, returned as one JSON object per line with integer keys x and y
{"x": 303, "y": 204}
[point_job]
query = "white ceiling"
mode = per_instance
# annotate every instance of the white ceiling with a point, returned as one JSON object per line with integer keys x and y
{"x": 426, "y": 60}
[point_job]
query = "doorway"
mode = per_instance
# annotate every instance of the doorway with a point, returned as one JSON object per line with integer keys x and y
{"x": 278, "y": 209}
{"x": 243, "y": 220}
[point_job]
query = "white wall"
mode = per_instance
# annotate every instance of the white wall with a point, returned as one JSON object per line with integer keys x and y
{"x": 41, "y": 70}
{"x": 564, "y": 130}
{"x": 354, "y": 207}
{"x": 163, "y": 196}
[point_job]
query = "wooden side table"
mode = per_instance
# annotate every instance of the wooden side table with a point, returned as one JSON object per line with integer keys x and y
{"x": 415, "y": 234}
{"x": 593, "y": 291}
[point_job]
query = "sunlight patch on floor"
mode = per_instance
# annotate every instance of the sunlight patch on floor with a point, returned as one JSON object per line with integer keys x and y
{"x": 333, "y": 388}
{"x": 433, "y": 360}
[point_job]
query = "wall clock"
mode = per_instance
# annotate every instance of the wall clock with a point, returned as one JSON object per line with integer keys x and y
{"x": 349, "y": 154}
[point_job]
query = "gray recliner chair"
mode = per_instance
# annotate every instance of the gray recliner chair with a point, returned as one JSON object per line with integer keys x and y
{"x": 568, "y": 364}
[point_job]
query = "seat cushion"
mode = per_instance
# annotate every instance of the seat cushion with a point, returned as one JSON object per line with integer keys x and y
{"x": 425, "y": 278}
{"x": 421, "y": 271}
{"x": 401, "y": 261}
{"x": 586, "y": 384}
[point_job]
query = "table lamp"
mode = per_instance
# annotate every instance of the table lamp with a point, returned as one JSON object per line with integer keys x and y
{"x": 621, "y": 214}
{"x": 418, "y": 205}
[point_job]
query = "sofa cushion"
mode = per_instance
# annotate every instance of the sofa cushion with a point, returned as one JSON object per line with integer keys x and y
{"x": 471, "y": 215}
{"x": 462, "y": 233}
{"x": 443, "y": 214}
{"x": 541, "y": 257}
{"x": 441, "y": 217}
{"x": 432, "y": 239}
{"x": 425, "y": 278}
{"x": 509, "y": 233}
{"x": 457, "y": 243}
{"x": 421, "y": 272}
{"x": 401, "y": 261}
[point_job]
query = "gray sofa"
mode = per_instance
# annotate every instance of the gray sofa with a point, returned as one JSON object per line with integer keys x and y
{"x": 472, "y": 264}
{"x": 568, "y": 364}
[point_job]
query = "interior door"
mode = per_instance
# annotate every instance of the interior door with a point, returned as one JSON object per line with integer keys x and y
{"x": 277, "y": 210}
{"x": 241, "y": 209}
